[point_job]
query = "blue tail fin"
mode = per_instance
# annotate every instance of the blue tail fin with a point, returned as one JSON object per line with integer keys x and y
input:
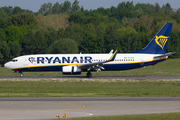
{"x": 159, "y": 43}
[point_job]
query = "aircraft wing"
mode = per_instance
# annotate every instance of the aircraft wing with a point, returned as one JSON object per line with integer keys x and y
{"x": 164, "y": 55}
{"x": 97, "y": 65}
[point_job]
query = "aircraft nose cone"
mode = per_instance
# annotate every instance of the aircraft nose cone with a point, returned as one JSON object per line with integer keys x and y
{"x": 7, "y": 65}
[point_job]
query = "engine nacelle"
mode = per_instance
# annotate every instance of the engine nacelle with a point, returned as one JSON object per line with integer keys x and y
{"x": 71, "y": 70}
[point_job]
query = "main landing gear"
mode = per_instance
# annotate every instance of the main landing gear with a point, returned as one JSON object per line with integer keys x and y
{"x": 89, "y": 74}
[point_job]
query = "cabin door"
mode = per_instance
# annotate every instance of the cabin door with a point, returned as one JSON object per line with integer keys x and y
{"x": 25, "y": 62}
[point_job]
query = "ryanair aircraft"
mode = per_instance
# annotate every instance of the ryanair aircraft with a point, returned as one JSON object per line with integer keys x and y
{"x": 72, "y": 64}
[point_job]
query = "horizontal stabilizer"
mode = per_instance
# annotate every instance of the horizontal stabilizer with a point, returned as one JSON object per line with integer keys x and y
{"x": 164, "y": 55}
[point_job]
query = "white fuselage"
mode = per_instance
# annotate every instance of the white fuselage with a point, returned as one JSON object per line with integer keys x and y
{"x": 55, "y": 62}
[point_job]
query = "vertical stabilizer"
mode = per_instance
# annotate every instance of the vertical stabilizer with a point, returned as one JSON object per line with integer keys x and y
{"x": 159, "y": 43}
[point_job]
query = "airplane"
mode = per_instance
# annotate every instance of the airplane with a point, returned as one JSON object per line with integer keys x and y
{"x": 75, "y": 64}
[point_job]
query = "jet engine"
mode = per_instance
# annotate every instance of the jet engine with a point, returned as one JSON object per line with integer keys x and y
{"x": 71, "y": 70}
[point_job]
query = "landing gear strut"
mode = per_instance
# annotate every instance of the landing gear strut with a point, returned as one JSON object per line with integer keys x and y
{"x": 21, "y": 74}
{"x": 89, "y": 74}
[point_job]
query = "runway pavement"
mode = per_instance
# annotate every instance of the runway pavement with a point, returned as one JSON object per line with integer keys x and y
{"x": 47, "y": 108}
{"x": 94, "y": 77}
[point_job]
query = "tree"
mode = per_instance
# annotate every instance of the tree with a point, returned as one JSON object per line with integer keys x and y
{"x": 4, "y": 52}
{"x": 125, "y": 21}
{"x": 66, "y": 7}
{"x": 46, "y": 8}
{"x": 3, "y": 18}
{"x": 15, "y": 49}
{"x": 78, "y": 17}
{"x": 113, "y": 10}
{"x": 168, "y": 9}
{"x": 63, "y": 46}
{"x": 178, "y": 11}
{"x": 55, "y": 20}
{"x": 125, "y": 31}
{"x": 29, "y": 11}
{"x": 75, "y": 7}
{"x": 22, "y": 19}
{"x": 56, "y": 8}
{"x": 37, "y": 40}
{"x": 90, "y": 42}
{"x": 123, "y": 10}
{"x": 82, "y": 9}
{"x": 3, "y": 15}
{"x": 2, "y": 35}
{"x": 16, "y": 10}
{"x": 51, "y": 35}
{"x": 157, "y": 7}
{"x": 34, "y": 42}
{"x": 174, "y": 43}
{"x": 15, "y": 33}
{"x": 61, "y": 33}
{"x": 97, "y": 19}
{"x": 8, "y": 10}
{"x": 145, "y": 9}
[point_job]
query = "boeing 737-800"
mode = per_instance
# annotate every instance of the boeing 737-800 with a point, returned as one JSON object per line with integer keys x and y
{"x": 72, "y": 64}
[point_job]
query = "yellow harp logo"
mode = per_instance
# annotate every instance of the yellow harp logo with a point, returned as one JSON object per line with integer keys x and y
{"x": 161, "y": 41}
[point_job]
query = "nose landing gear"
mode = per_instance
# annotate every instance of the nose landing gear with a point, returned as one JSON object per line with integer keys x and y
{"x": 21, "y": 75}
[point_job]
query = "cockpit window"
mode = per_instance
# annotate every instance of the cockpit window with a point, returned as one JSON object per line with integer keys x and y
{"x": 14, "y": 60}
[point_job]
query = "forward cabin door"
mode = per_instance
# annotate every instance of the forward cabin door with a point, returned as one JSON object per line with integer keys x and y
{"x": 25, "y": 61}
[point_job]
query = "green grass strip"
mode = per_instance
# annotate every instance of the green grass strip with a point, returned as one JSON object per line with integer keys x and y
{"x": 89, "y": 88}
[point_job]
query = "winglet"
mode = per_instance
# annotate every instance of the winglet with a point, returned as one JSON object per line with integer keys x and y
{"x": 113, "y": 56}
{"x": 111, "y": 52}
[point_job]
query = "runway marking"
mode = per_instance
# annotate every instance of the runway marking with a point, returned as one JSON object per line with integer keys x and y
{"x": 76, "y": 106}
{"x": 132, "y": 106}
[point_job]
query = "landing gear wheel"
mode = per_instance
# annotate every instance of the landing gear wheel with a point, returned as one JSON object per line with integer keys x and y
{"x": 89, "y": 74}
{"x": 21, "y": 75}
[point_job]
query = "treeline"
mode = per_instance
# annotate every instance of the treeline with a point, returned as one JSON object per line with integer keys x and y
{"x": 69, "y": 28}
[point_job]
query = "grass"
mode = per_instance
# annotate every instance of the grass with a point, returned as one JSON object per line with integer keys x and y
{"x": 164, "y": 116}
{"x": 90, "y": 88}
{"x": 168, "y": 67}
